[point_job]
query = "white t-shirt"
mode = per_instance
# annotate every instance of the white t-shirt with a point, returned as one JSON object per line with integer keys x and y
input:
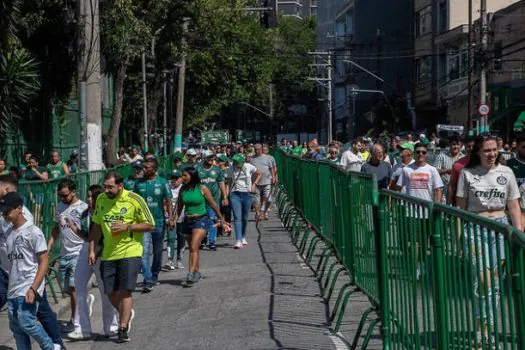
{"x": 351, "y": 161}
{"x": 175, "y": 199}
{"x": 242, "y": 178}
{"x": 420, "y": 182}
{"x": 5, "y": 230}
{"x": 23, "y": 246}
{"x": 70, "y": 242}
{"x": 487, "y": 189}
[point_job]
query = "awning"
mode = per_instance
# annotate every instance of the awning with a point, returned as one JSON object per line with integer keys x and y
{"x": 519, "y": 124}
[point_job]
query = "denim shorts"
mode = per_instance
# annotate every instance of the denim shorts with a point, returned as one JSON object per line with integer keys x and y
{"x": 68, "y": 264}
{"x": 198, "y": 223}
{"x": 484, "y": 246}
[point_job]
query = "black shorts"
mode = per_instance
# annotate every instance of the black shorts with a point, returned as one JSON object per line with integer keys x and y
{"x": 120, "y": 274}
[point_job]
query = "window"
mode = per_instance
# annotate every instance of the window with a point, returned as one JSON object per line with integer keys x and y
{"x": 424, "y": 69}
{"x": 516, "y": 74}
{"x": 313, "y": 11}
{"x": 340, "y": 29}
{"x": 423, "y": 21}
{"x": 443, "y": 16}
{"x": 457, "y": 63}
{"x": 340, "y": 102}
{"x": 349, "y": 22}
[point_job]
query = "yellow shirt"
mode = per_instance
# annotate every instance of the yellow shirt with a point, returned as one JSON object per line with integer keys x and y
{"x": 128, "y": 208}
{"x": 365, "y": 155}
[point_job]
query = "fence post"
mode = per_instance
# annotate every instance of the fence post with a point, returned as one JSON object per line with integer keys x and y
{"x": 518, "y": 285}
{"x": 381, "y": 244}
{"x": 436, "y": 247}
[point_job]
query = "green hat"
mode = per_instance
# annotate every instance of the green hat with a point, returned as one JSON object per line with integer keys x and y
{"x": 408, "y": 146}
{"x": 224, "y": 158}
{"x": 176, "y": 174}
{"x": 238, "y": 158}
{"x": 178, "y": 155}
{"x": 425, "y": 140}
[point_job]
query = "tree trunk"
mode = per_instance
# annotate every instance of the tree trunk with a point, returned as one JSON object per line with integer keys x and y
{"x": 113, "y": 134}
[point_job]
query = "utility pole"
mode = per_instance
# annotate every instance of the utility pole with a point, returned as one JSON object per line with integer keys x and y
{"x": 89, "y": 86}
{"x": 483, "y": 71}
{"x": 326, "y": 82}
{"x": 179, "y": 117}
{"x": 470, "y": 68}
{"x": 165, "y": 113}
{"x": 330, "y": 109}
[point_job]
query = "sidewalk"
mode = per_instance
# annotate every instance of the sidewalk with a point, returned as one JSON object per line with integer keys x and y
{"x": 259, "y": 297}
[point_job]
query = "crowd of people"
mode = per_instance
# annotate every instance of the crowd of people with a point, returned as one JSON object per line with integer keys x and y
{"x": 31, "y": 168}
{"x": 479, "y": 174}
{"x": 119, "y": 233}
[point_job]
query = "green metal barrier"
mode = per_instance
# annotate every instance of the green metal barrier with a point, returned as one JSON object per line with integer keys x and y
{"x": 438, "y": 277}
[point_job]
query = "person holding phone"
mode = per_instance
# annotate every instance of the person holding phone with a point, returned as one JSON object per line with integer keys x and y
{"x": 28, "y": 258}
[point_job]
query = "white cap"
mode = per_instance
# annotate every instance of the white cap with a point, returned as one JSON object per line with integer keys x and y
{"x": 191, "y": 152}
{"x": 207, "y": 153}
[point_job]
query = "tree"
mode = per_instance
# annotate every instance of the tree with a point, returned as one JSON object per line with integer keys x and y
{"x": 124, "y": 32}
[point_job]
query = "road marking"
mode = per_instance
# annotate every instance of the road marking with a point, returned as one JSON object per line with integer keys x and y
{"x": 338, "y": 341}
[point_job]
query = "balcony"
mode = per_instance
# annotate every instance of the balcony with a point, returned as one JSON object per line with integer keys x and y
{"x": 457, "y": 34}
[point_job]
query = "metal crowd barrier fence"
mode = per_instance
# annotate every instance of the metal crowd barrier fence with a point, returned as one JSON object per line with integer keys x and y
{"x": 438, "y": 277}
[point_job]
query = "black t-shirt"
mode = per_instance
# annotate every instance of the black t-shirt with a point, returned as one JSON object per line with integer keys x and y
{"x": 382, "y": 171}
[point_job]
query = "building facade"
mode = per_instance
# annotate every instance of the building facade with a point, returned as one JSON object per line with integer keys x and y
{"x": 297, "y": 8}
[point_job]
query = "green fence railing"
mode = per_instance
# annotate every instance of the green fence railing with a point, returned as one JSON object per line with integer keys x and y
{"x": 438, "y": 277}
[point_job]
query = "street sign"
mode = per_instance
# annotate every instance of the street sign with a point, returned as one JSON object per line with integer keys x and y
{"x": 215, "y": 137}
{"x": 483, "y": 109}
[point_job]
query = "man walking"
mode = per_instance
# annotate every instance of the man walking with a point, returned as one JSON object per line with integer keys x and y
{"x": 121, "y": 217}
{"x": 156, "y": 191}
{"x": 376, "y": 166}
{"x": 351, "y": 160}
{"x": 266, "y": 166}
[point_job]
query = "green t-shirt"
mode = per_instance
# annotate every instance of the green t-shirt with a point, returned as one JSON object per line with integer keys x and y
{"x": 129, "y": 184}
{"x": 56, "y": 170}
{"x": 297, "y": 151}
{"x": 155, "y": 192}
{"x": 30, "y": 175}
{"x": 211, "y": 178}
{"x": 73, "y": 168}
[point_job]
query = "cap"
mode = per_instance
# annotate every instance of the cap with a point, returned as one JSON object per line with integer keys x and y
{"x": 224, "y": 158}
{"x": 207, "y": 153}
{"x": 191, "y": 152}
{"x": 238, "y": 158}
{"x": 408, "y": 146}
{"x": 138, "y": 164}
{"x": 178, "y": 155}
{"x": 176, "y": 174}
{"x": 424, "y": 140}
{"x": 10, "y": 201}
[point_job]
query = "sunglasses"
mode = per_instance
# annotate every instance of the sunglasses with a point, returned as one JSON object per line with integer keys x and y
{"x": 421, "y": 152}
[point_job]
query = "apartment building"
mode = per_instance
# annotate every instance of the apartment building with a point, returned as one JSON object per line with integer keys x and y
{"x": 440, "y": 81}
{"x": 297, "y": 8}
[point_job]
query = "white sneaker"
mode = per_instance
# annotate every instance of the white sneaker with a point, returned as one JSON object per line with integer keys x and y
{"x": 131, "y": 319}
{"x": 244, "y": 242}
{"x": 57, "y": 347}
{"x": 90, "y": 302}
{"x": 78, "y": 335}
{"x": 238, "y": 245}
{"x": 179, "y": 265}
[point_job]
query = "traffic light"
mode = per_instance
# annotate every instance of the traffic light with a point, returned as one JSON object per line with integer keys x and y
{"x": 498, "y": 55}
{"x": 269, "y": 14}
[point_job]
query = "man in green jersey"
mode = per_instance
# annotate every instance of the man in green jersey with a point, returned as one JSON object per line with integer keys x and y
{"x": 156, "y": 192}
{"x": 121, "y": 217}
{"x": 136, "y": 175}
{"x": 297, "y": 150}
{"x": 57, "y": 168}
{"x": 213, "y": 177}
{"x": 191, "y": 159}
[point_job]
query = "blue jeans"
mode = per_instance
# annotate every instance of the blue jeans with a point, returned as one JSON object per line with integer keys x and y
{"x": 23, "y": 324}
{"x": 241, "y": 203}
{"x": 212, "y": 230}
{"x": 48, "y": 319}
{"x": 152, "y": 242}
{"x": 45, "y": 314}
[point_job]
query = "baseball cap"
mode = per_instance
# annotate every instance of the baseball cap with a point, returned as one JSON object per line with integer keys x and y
{"x": 207, "y": 153}
{"x": 408, "y": 146}
{"x": 191, "y": 152}
{"x": 238, "y": 158}
{"x": 175, "y": 174}
{"x": 224, "y": 158}
{"x": 424, "y": 140}
{"x": 10, "y": 201}
{"x": 138, "y": 164}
